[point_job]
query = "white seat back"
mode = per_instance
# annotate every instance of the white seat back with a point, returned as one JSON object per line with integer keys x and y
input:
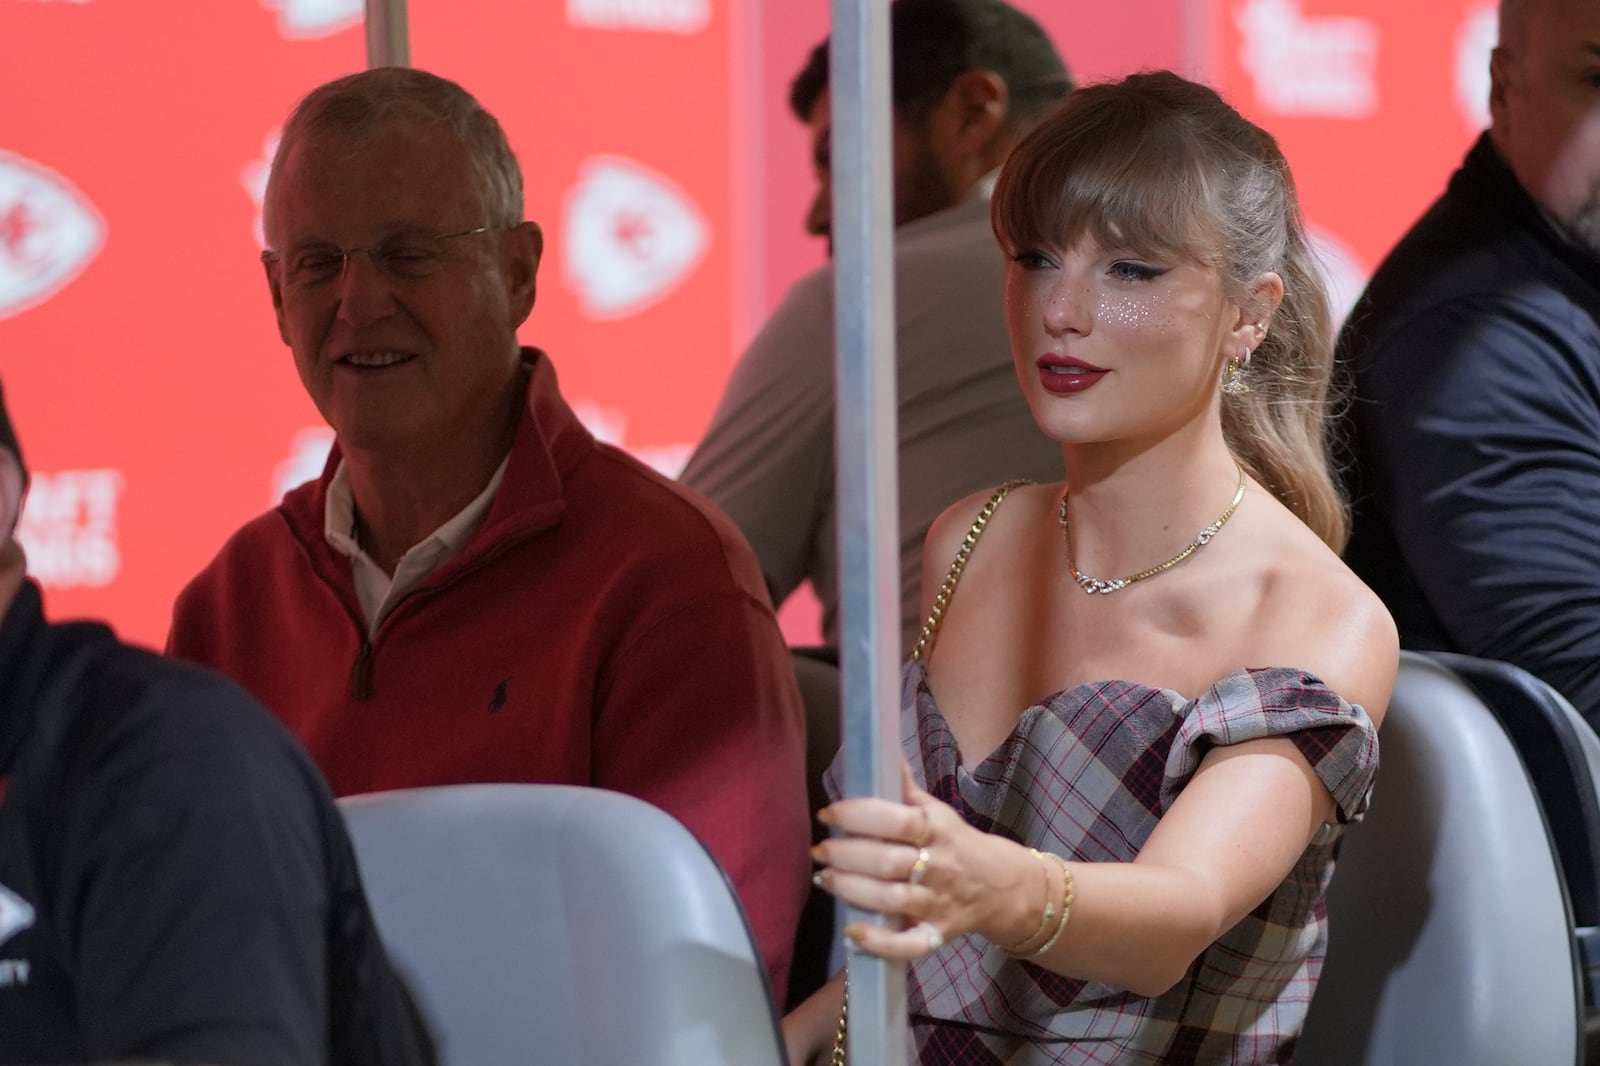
{"x": 1450, "y": 938}
{"x": 1562, "y": 754}
{"x": 556, "y": 924}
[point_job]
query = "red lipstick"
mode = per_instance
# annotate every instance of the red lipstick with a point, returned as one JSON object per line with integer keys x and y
{"x": 1066, "y": 376}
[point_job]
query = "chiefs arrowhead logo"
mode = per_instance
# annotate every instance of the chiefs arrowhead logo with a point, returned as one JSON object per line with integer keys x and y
{"x": 16, "y": 914}
{"x": 632, "y": 236}
{"x": 315, "y": 18}
{"x": 48, "y": 233}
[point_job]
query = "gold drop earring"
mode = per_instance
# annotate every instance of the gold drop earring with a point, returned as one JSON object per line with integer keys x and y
{"x": 1233, "y": 382}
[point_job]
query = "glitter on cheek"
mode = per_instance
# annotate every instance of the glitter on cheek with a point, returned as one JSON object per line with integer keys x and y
{"x": 1145, "y": 311}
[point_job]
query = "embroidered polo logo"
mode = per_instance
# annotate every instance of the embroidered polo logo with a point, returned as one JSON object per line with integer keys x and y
{"x": 498, "y": 700}
{"x": 16, "y": 914}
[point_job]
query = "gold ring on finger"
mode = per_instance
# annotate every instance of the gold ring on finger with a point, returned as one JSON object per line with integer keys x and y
{"x": 919, "y": 869}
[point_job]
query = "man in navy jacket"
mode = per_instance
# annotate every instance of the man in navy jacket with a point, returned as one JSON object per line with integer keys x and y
{"x": 1476, "y": 361}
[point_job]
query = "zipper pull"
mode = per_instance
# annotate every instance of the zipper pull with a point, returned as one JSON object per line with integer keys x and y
{"x": 361, "y": 673}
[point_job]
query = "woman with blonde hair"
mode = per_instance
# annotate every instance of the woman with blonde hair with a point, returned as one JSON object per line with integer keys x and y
{"x": 1146, "y": 698}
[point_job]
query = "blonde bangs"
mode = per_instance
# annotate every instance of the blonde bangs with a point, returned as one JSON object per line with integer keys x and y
{"x": 1101, "y": 169}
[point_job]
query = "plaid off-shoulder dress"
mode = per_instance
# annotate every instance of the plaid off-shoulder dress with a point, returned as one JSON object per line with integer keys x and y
{"x": 1087, "y": 773}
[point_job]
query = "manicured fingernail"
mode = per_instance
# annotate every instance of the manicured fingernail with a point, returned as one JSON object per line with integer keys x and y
{"x": 825, "y": 816}
{"x": 816, "y": 879}
{"x": 854, "y": 934}
{"x": 817, "y": 854}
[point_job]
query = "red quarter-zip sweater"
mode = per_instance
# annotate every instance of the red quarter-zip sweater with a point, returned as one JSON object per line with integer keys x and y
{"x": 604, "y": 627}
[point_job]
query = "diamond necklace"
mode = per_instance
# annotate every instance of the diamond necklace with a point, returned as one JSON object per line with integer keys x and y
{"x": 1094, "y": 584}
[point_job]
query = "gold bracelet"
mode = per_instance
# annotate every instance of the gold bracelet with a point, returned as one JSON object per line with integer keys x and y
{"x": 1068, "y": 890}
{"x": 1045, "y": 919}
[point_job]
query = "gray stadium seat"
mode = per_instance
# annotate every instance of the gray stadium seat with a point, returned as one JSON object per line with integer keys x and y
{"x": 1562, "y": 754}
{"x": 1451, "y": 940}
{"x": 556, "y": 924}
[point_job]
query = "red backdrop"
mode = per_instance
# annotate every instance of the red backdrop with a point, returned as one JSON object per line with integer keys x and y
{"x": 1374, "y": 102}
{"x": 158, "y": 408}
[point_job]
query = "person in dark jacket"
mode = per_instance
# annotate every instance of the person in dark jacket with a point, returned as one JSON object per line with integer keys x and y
{"x": 176, "y": 884}
{"x": 1475, "y": 355}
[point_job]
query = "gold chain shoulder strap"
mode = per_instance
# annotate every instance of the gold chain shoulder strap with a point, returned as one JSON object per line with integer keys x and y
{"x": 924, "y": 643}
{"x": 836, "y": 1057}
{"x": 948, "y": 590}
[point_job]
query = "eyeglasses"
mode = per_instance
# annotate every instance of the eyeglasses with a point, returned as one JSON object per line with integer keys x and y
{"x": 409, "y": 257}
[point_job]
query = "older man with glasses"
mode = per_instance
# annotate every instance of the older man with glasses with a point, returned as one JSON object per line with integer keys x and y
{"x": 475, "y": 589}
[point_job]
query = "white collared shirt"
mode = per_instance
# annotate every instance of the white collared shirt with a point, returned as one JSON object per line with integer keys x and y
{"x": 376, "y": 590}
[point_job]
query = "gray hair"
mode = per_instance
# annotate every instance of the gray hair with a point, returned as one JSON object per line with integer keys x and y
{"x": 359, "y": 105}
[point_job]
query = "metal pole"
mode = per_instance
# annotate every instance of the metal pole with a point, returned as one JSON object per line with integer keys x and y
{"x": 865, "y": 456}
{"x": 388, "y": 38}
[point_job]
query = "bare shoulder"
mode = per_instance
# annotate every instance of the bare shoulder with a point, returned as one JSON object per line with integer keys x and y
{"x": 1317, "y": 615}
{"x": 950, "y": 530}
